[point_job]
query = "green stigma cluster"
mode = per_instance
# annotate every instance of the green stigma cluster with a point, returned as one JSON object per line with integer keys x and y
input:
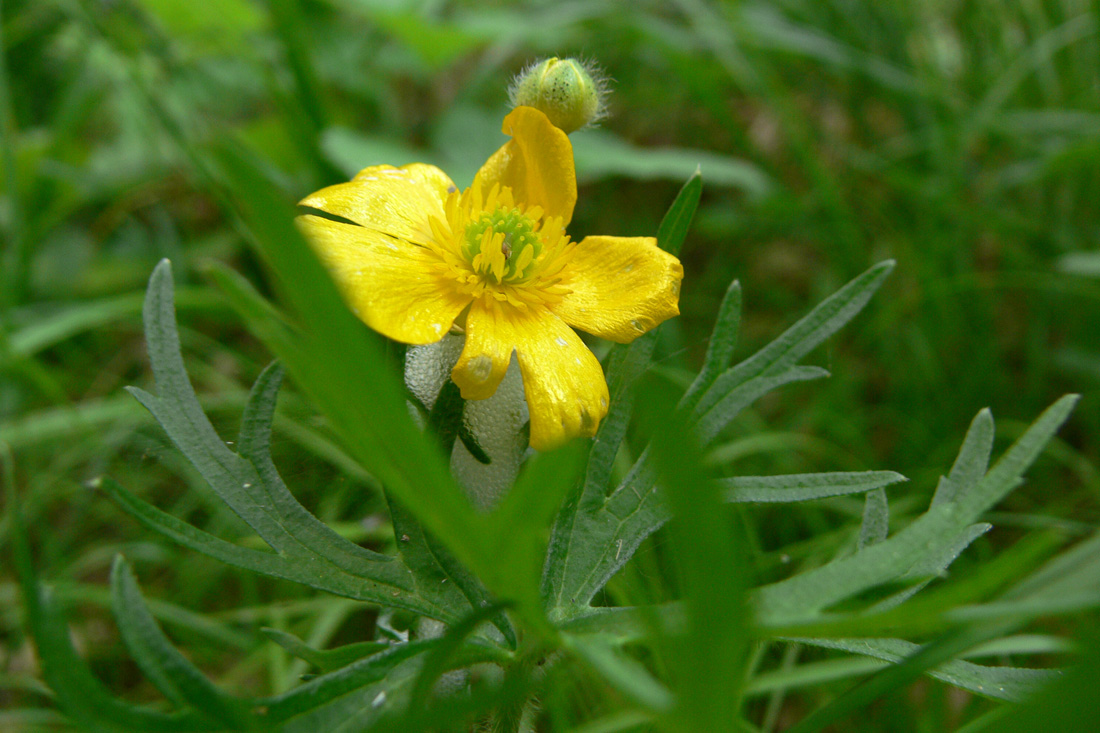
{"x": 569, "y": 92}
{"x": 518, "y": 248}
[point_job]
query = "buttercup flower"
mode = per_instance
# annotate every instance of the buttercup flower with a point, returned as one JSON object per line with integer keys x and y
{"x": 495, "y": 261}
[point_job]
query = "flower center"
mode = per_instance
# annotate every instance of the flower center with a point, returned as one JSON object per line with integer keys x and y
{"x": 502, "y": 245}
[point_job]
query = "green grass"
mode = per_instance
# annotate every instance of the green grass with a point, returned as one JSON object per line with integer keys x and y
{"x": 961, "y": 140}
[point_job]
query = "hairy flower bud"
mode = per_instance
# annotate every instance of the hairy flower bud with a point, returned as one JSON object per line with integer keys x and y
{"x": 570, "y": 92}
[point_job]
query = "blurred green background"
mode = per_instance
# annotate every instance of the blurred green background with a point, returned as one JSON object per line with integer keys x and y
{"x": 961, "y": 138}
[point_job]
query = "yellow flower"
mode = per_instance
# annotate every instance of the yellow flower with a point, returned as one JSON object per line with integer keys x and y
{"x": 420, "y": 255}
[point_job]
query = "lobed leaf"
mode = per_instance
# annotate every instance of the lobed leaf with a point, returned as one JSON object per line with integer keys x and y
{"x": 801, "y": 338}
{"x": 804, "y": 486}
{"x": 171, "y": 672}
{"x": 723, "y": 341}
{"x": 802, "y": 597}
{"x": 326, "y": 660}
{"x": 597, "y": 534}
{"x": 971, "y": 463}
{"x": 322, "y": 576}
{"x": 1002, "y": 683}
{"x": 78, "y": 692}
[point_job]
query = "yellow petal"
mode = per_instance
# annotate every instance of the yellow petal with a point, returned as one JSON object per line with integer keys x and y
{"x": 562, "y": 380}
{"x": 621, "y": 287}
{"x": 537, "y": 164}
{"x": 488, "y": 349}
{"x": 394, "y": 286}
{"x": 393, "y": 201}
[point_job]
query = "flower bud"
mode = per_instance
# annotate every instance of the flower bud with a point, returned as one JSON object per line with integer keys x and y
{"x": 570, "y": 92}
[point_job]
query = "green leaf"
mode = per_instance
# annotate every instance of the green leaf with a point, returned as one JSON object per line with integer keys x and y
{"x": 921, "y": 661}
{"x": 934, "y": 565}
{"x": 708, "y": 657}
{"x": 352, "y": 150}
{"x": 55, "y": 327}
{"x": 227, "y": 19}
{"x": 802, "y": 597}
{"x": 78, "y": 692}
{"x": 309, "y": 551}
{"x": 621, "y": 672}
{"x": 178, "y": 411}
{"x": 522, "y": 526}
{"x": 596, "y": 534}
{"x": 723, "y": 341}
{"x": 801, "y": 338}
{"x": 972, "y": 461}
{"x": 1069, "y": 582}
{"x": 171, "y": 672}
{"x": 326, "y": 577}
{"x": 341, "y": 366}
{"x": 352, "y": 681}
{"x": 876, "y": 519}
{"x": 579, "y": 527}
{"x": 438, "y": 576}
{"x": 317, "y": 539}
{"x": 325, "y": 660}
{"x": 805, "y": 486}
{"x": 1002, "y": 683}
{"x": 722, "y": 413}
{"x": 677, "y": 220}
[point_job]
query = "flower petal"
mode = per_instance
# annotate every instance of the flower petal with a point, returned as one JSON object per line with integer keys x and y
{"x": 392, "y": 285}
{"x": 393, "y": 201}
{"x": 537, "y": 163}
{"x": 621, "y": 287}
{"x": 562, "y": 380}
{"x": 489, "y": 346}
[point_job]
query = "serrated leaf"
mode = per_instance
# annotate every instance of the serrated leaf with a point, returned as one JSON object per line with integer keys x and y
{"x": 171, "y": 672}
